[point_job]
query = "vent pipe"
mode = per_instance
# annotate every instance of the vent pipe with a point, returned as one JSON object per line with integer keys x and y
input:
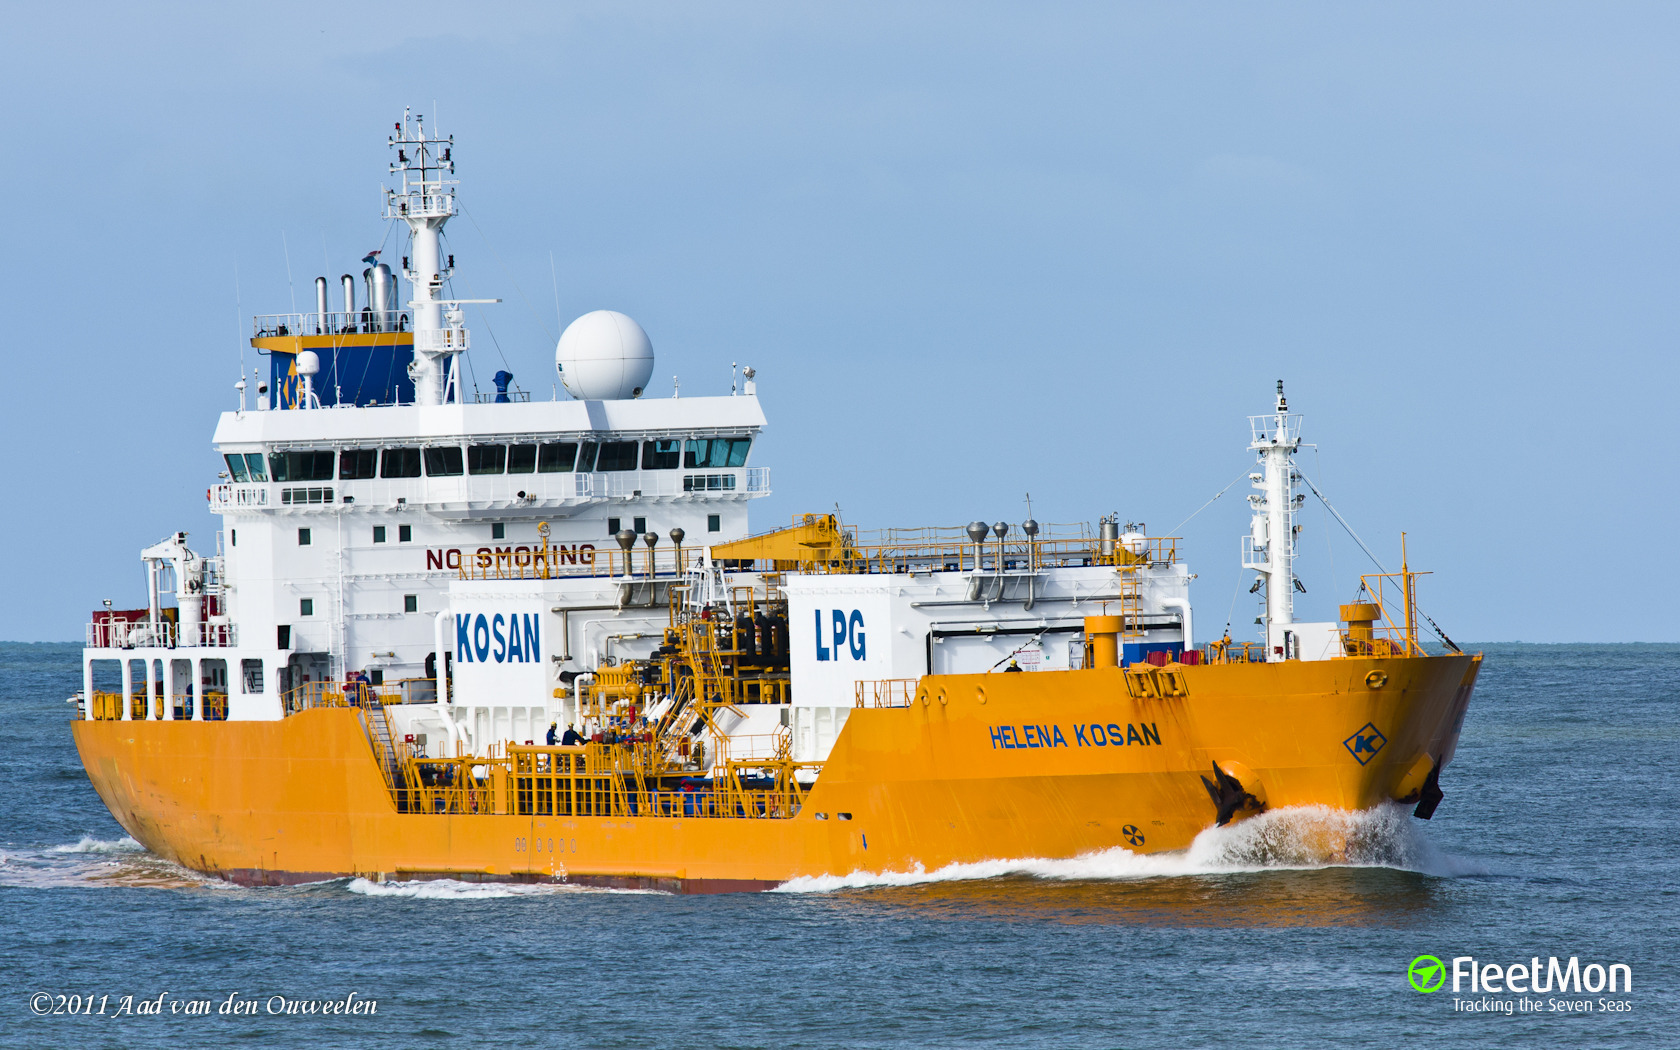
{"x": 349, "y": 284}
{"x": 384, "y": 298}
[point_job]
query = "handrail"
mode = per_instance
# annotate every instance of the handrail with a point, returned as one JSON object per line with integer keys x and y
{"x": 885, "y": 692}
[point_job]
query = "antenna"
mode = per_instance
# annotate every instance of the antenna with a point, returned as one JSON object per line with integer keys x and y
{"x": 559, "y": 322}
{"x": 287, "y": 252}
{"x": 238, "y": 318}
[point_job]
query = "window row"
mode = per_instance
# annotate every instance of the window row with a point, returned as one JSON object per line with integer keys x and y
{"x": 444, "y": 461}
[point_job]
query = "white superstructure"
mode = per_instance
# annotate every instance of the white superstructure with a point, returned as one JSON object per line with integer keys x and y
{"x": 343, "y": 526}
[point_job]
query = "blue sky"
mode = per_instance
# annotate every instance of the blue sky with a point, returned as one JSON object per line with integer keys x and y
{"x": 973, "y": 251}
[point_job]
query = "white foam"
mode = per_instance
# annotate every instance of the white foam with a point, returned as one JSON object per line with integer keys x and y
{"x": 89, "y": 844}
{"x": 93, "y": 862}
{"x": 1294, "y": 838}
{"x": 454, "y": 889}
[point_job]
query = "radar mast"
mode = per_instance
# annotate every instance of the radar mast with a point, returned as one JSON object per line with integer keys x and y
{"x": 1269, "y": 548}
{"x": 426, "y": 201}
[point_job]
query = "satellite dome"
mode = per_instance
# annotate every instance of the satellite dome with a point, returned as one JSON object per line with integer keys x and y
{"x": 604, "y": 356}
{"x": 308, "y": 363}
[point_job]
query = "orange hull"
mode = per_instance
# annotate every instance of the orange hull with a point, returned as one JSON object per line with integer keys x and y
{"x": 978, "y": 767}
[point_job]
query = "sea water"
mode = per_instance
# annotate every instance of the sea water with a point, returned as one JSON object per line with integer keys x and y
{"x": 1558, "y": 838}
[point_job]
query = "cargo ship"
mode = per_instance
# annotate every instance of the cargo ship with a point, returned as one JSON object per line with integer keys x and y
{"x": 452, "y": 633}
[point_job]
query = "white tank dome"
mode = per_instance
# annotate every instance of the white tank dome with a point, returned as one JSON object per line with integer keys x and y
{"x": 604, "y": 356}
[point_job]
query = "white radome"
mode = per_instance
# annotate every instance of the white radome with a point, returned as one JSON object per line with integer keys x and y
{"x": 308, "y": 363}
{"x": 604, "y": 356}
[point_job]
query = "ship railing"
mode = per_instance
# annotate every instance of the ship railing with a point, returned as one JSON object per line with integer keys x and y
{"x": 949, "y": 535}
{"x": 885, "y": 692}
{"x": 419, "y": 205}
{"x": 165, "y": 634}
{"x": 755, "y": 747}
{"x": 227, "y": 497}
{"x": 108, "y": 706}
{"x": 1009, "y": 556}
{"x": 117, "y": 633}
{"x": 312, "y": 695}
{"x": 333, "y": 322}
{"x": 1227, "y": 652}
{"x": 632, "y": 484}
{"x": 1264, "y": 428}
{"x": 592, "y": 780}
{"x": 442, "y": 340}
{"x": 515, "y": 490}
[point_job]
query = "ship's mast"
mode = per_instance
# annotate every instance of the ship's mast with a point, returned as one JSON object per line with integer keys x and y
{"x": 1269, "y": 548}
{"x": 425, "y": 201}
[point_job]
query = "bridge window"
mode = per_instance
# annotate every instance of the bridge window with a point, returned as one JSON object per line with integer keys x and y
{"x": 301, "y": 466}
{"x": 661, "y": 455}
{"x": 557, "y": 457}
{"x": 236, "y": 467}
{"x": 586, "y": 457}
{"x": 617, "y": 455}
{"x": 486, "y": 459}
{"x": 716, "y": 452}
{"x": 357, "y": 464}
{"x": 254, "y": 466}
{"x": 443, "y": 461}
{"x": 522, "y": 459}
{"x": 400, "y": 463}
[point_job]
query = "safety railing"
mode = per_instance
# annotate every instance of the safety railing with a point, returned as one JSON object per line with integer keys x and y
{"x": 1229, "y": 652}
{"x": 514, "y": 490}
{"x": 423, "y": 205}
{"x": 885, "y": 692}
{"x": 311, "y": 695}
{"x": 130, "y": 634}
{"x": 332, "y": 322}
{"x": 108, "y": 707}
{"x": 165, "y": 634}
{"x": 238, "y": 497}
{"x": 442, "y": 340}
{"x": 991, "y": 556}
